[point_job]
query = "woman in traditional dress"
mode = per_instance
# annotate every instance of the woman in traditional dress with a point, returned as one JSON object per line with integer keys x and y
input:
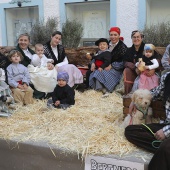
{"x": 107, "y": 79}
{"x": 54, "y": 50}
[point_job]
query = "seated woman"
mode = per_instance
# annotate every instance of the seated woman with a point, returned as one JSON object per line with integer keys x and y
{"x": 54, "y": 50}
{"x": 111, "y": 75}
{"x": 166, "y": 60}
{"x": 131, "y": 57}
{"x": 27, "y": 53}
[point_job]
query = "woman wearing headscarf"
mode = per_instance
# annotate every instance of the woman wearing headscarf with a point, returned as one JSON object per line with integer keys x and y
{"x": 54, "y": 50}
{"x": 107, "y": 79}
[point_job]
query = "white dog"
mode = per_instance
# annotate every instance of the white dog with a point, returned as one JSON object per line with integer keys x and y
{"x": 142, "y": 99}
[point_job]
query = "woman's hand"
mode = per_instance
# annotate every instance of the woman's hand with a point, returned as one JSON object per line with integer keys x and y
{"x": 132, "y": 108}
{"x": 150, "y": 73}
{"x": 100, "y": 69}
{"x": 25, "y": 86}
{"x": 50, "y": 66}
{"x": 88, "y": 56}
{"x": 108, "y": 68}
{"x": 159, "y": 135}
{"x": 146, "y": 67}
{"x": 20, "y": 86}
{"x": 93, "y": 67}
{"x": 57, "y": 103}
{"x": 137, "y": 71}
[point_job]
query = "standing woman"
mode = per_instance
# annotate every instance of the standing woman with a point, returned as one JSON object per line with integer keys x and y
{"x": 54, "y": 50}
{"x": 107, "y": 79}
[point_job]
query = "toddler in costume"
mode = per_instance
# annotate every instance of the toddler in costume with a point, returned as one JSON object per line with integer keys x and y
{"x": 150, "y": 62}
{"x": 19, "y": 79}
{"x": 63, "y": 95}
{"x": 39, "y": 59}
{"x": 102, "y": 58}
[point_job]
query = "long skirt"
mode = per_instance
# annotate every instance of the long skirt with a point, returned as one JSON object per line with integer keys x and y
{"x": 75, "y": 75}
{"x": 109, "y": 79}
{"x": 149, "y": 83}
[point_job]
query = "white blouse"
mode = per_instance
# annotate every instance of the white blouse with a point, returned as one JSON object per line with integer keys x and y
{"x": 64, "y": 62}
{"x": 27, "y": 53}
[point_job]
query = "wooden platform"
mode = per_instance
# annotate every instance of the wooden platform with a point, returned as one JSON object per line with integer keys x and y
{"x": 157, "y": 107}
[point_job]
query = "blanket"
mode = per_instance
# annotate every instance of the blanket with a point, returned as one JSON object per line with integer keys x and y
{"x": 44, "y": 80}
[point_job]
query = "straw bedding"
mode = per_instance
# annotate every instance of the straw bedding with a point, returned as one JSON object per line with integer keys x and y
{"x": 91, "y": 126}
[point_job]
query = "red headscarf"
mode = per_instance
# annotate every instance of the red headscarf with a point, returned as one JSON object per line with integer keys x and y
{"x": 116, "y": 29}
{"x": 121, "y": 38}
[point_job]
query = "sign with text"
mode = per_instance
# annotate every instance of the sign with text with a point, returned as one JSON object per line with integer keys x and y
{"x": 104, "y": 163}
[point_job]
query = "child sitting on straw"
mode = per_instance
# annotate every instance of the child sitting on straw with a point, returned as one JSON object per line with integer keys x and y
{"x": 19, "y": 79}
{"x": 63, "y": 95}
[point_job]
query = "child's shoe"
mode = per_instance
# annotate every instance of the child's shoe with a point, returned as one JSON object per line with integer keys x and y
{"x": 9, "y": 100}
{"x": 105, "y": 95}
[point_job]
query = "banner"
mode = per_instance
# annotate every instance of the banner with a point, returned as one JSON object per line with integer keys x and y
{"x": 105, "y": 163}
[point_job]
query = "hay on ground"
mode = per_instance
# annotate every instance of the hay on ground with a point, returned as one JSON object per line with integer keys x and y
{"x": 91, "y": 126}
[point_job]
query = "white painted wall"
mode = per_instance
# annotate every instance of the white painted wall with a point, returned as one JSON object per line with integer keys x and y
{"x": 127, "y": 18}
{"x": 78, "y": 11}
{"x": 159, "y": 11}
{"x": 2, "y": 1}
{"x": 51, "y": 9}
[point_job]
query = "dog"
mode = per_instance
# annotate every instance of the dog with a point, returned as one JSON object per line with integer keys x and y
{"x": 142, "y": 99}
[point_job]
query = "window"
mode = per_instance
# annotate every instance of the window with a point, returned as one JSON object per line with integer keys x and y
{"x": 18, "y": 21}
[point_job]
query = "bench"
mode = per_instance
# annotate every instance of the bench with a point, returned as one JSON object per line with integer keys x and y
{"x": 157, "y": 106}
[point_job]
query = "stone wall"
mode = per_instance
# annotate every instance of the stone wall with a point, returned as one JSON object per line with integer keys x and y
{"x": 75, "y": 56}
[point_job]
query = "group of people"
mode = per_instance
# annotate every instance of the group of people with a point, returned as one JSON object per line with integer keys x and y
{"x": 39, "y": 74}
{"x": 138, "y": 65}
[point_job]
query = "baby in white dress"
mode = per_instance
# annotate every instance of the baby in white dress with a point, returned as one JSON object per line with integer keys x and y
{"x": 39, "y": 59}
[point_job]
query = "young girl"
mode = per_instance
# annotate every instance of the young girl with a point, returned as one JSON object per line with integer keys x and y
{"x": 19, "y": 79}
{"x": 39, "y": 59}
{"x": 148, "y": 82}
{"x": 63, "y": 95}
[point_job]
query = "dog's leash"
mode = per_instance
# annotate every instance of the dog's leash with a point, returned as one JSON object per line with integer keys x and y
{"x": 155, "y": 143}
{"x": 144, "y": 111}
